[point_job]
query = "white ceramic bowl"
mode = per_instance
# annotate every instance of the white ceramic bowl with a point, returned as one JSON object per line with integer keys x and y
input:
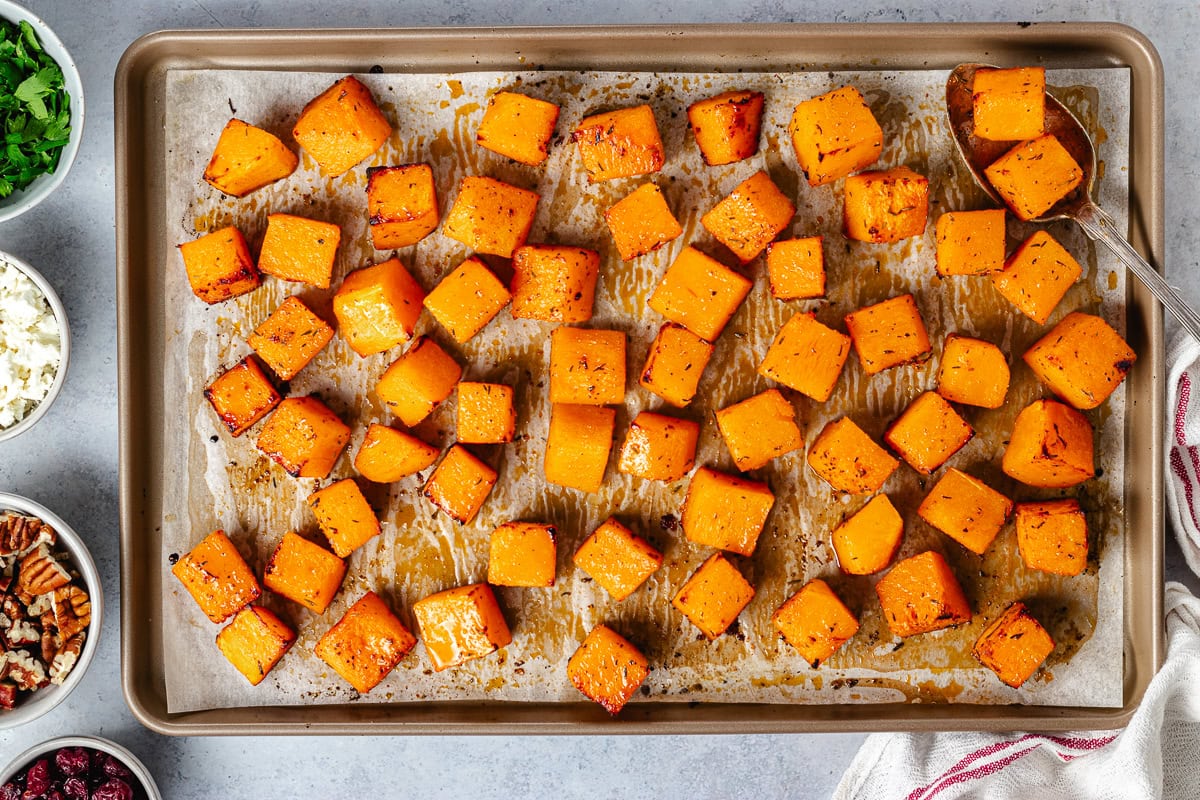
{"x": 96, "y": 743}
{"x": 32, "y": 706}
{"x": 64, "y": 334}
{"x": 21, "y": 201}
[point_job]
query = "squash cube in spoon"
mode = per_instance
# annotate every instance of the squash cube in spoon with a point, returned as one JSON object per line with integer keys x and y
{"x": 1035, "y": 175}
{"x": 619, "y": 144}
{"x": 753, "y": 214}
{"x": 304, "y": 572}
{"x": 518, "y": 127}
{"x": 1037, "y": 276}
{"x": 1052, "y": 536}
{"x": 467, "y": 299}
{"x": 418, "y": 381}
{"x": 866, "y": 541}
{"x": 345, "y": 516}
{"x": 299, "y": 249}
{"x": 1013, "y": 646}
{"x": 614, "y": 557}
{"x": 366, "y": 643}
{"x": 675, "y": 364}
{"x": 461, "y": 624}
{"x": 966, "y": 509}
{"x": 928, "y": 433}
{"x": 304, "y": 437}
{"x": 254, "y": 642}
{"x": 587, "y": 366}
{"x": 377, "y": 307}
{"x": 1009, "y": 104}
{"x": 726, "y": 127}
{"x": 806, "y": 356}
{"x": 486, "y": 414}
{"x": 491, "y": 216}
{"x": 658, "y": 447}
{"x": 888, "y": 334}
{"x": 714, "y": 596}
{"x": 796, "y": 268}
{"x": 290, "y": 338}
{"x": 247, "y": 158}
{"x": 341, "y": 126}
{"x": 1050, "y": 446}
{"x": 219, "y": 266}
{"x": 759, "y": 429}
{"x": 522, "y": 554}
{"x": 815, "y": 621}
{"x": 886, "y": 206}
{"x": 970, "y": 242}
{"x": 835, "y": 135}
{"x": 607, "y": 668}
{"x": 578, "y": 445}
{"x": 387, "y": 455}
{"x": 700, "y": 293}
{"x": 217, "y": 577}
{"x": 1082, "y": 359}
{"x": 242, "y": 395}
{"x": 725, "y": 511}
{"x": 641, "y": 222}
{"x": 402, "y": 205}
{"x": 921, "y": 595}
{"x": 848, "y": 459}
{"x": 460, "y": 484}
{"x": 973, "y": 372}
{"x": 553, "y": 283}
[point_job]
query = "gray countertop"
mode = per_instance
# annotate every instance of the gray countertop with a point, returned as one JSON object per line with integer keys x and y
{"x": 69, "y": 461}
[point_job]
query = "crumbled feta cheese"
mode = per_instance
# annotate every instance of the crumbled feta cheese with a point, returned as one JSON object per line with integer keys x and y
{"x": 29, "y": 345}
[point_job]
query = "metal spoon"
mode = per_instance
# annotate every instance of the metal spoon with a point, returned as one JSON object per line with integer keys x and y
{"x": 980, "y": 153}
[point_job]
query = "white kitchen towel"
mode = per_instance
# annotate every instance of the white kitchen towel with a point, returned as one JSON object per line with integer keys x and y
{"x": 1182, "y": 478}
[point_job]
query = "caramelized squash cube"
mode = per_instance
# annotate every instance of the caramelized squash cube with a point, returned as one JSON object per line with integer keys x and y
{"x": 1037, "y": 276}
{"x": 1050, "y": 446}
{"x": 554, "y": 284}
{"x": 888, "y": 334}
{"x": 491, "y": 216}
{"x": 366, "y": 643}
{"x": 461, "y": 624}
{"x": 835, "y": 135}
{"x": 658, "y": 447}
{"x": 815, "y": 621}
{"x": 578, "y": 445}
{"x": 849, "y": 460}
{"x": 522, "y": 554}
{"x": 619, "y": 144}
{"x": 714, "y": 596}
{"x": 725, "y": 512}
{"x": 928, "y": 433}
{"x": 867, "y": 540}
{"x": 341, "y": 126}
{"x": 304, "y": 437}
{"x": 759, "y": 429}
{"x": 921, "y": 595}
{"x": 970, "y": 242}
{"x": 675, "y": 364}
{"x": 1009, "y": 104}
{"x": 402, "y": 204}
{"x": 726, "y": 126}
{"x": 1034, "y": 175}
{"x": 614, "y": 557}
{"x": 806, "y": 356}
{"x": 886, "y": 206}
{"x": 345, "y": 516}
{"x": 299, "y": 249}
{"x": 1082, "y": 359}
{"x": 247, "y": 158}
{"x": 418, "y": 381}
{"x": 700, "y": 293}
{"x": 241, "y": 396}
{"x": 518, "y": 127}
{"x": 304, "y": 572}
{"x": 290, "y": 338}
{"x": 254, "y": 642}
{"x": 467, "y": 299}
{"x": 973, "y": 372}
{"x": 486, "y": 414}
{"x": 753, "y": 214}
{"x": 460, "y": 484}
{"x": 796, "y": 268}
{"x": 219, "y": 266}
{"x": 641, "y": 222}
{"x": 217, "y": 577}
{"x": 377, "y": 307}
{"x": 1052, "y": 536}
{"x": 587, "y": 366}
{"x": 607, "y": 669}
{"x": 966, "y": 509}
{"x": 1013, "y": 646}
{"x": 387, "y": 455}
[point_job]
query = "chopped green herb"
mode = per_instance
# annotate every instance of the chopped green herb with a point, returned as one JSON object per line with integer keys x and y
{"x": 35, "y": 109}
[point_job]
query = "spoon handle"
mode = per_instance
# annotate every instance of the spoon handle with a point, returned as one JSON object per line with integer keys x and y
{"x": 1101, "y": 227}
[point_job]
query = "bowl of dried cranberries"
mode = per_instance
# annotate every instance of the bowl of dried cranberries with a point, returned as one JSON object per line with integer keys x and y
{"x": 77, "y": 768}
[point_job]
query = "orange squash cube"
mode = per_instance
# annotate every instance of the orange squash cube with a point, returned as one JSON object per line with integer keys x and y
{"x": 607, "y": 668}
{"x": 578, "y": 445}
{"x": 1037, "y": 276}
{"x": 299, "y": 249}
{"x": 726, "y": 126}
{"x": 341, "y": 126}
{"x": 835, "y": 135}
{"x": 304, "y": 437}
{"x": 241, "y": 396}
{"x": 806, "y": 356}
{"x": 1034, "y": 175}
{"x": 849, "y": 460}
{"x": 217, "y": 577}
{"x": 815, "y": 621}
{"x": 617, "y": 559}
{"x": 867, "y": 540}
{"x": 973, "y": 372}
{"x": 467, "y": 299}
{"x": 753, "y": 214}
{"x": 796, "y": 268}
{"x": 1050, "y": 446}
{"x": 345, "y": 516}
{"x": 886, "y": 206}
{"x": 366, "y": 643}
{"x": 460, "y": 484}
{"x": 290, "y": 338}
{"x": 1052, "y": 536}
{"x": 928, "y": 433}
{"x": 641, "y": 222}
{"x": 587, "y": 366}
{"x": 522, "y": 554}
{"x": 700, "y": 293}
{"x": 219, "y": 266}
{"x": 966, "y": 509}
{"x": 402, "y": 204}
{"x": 714, "y": 596}
{"x": 970, "y": 242}
{"x": 247, "y": 158}
{"x": 418, "y": 380}
{"x": 518, "y": 127}
{"x": 254, "y": 642}
{"x": 461, "y": 624}
{"x": 759, "y": 429}
{"x": 554, "y": 284}
{"x": 658, "y": 447}
{"x": 675, "y": 364}
{"x": 1082, "y": 359}
{"x": 725, "y": 512}
{"x": 377, "y": 307}
{"x": 619, "y": 144}
{"x": 888, "y": 334}
{"x": 387, "y": 455}
{"x": 491, "y": 216}
{"x": 1013, "y": 646}
{"x": 1009, "y": 104}
{"x": 920, "y": 595}
{"x": 304, "y": 572}
{"x": 486, "y": 414}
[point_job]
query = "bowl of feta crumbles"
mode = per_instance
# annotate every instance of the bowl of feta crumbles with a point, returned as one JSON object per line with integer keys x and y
{"x": 35, "y": 344}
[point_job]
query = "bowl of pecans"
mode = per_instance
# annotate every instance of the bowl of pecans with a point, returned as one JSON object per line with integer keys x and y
{"x": 50, "y": 610}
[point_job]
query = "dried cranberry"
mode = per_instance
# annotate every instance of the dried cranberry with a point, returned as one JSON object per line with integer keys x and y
{"x": 55, "y": 793}
{"x": 115, "y": 769}
{"x": 9, "y": 791}
{"x": 114, "y": 789}
{"x": 72, "y": 760}
{"x": 75, "y": 788}
{"x": 37, "y": 779}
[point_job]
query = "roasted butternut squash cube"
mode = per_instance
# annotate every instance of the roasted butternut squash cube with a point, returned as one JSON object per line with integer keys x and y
{"x": 219, "y": 266}
{"x": 1013, "y": 646}
{"x": 377, "y": 307}
{"x": 304, "y": 437}
{"x": 849, "y": 460}
{"x": 928, "y": 433}
{"x": 1082, "y": 359}
{"x": 460, "y": 624}
{"x": 796, "y": 268}
{"x": 866, "y": 541}
{"x": 522, "y": 554}
{"x": 553, "y": 283}
{"x": 341, "y": 126}
{"x": 753, "y": 214}
{"x": 387, "y": 455}
{"x": 578, "y": 445}
{"x": 614, "y": 557}
{"x": 1037, "y": 276}
{"x": 345, "y": 516}
{"x": 888, "y": 334}
{"x": 700, "y": 293}
{"x": 460, "y": 484}
{"x": 491, "y": 216}
{"x": 254, "y": 642}
{"x": 714, "y": 596}
{"x": 806, "y": 356}
{"x": 886, "y": 206}
{"x": 641, "y": 222}
{"x": 366, "y": 643}
{"x": 658, "y": 447}
{"x": 966, "y": 509}
{"x": 1034, "y": 175}
{"x": 607, "y": 669}
{"x": 241, "y": 396}
{"x": 247, "y": 158}
{"x": 835, "y": 135}
{"x": 759, "y": 429}
{"x": 418, "y": 380}
{"x": 1052, "y": 536}
{"x": 290, "y": 338}
{"x": 970, "y": 242}
{"x": 725, "y": 512}
{"x": 1050, "y": 446}
{"x": 1009, "y": 104}
{"x": 217, "y": 577}
{"x": 467, "y": 299}
{"x": 299, "y": 249}
{"x": 486, "y": 414}
{"x": 675, "y": 364}
{"x": 304, "y": 572}
{"x": 921, "y": 595}
{"x": 518, "y": 127}
{"x": 402, "y": 204}
{"x": 587, "y": 366}
{"x": 973, "y": 372}
{"x": 815, "y": 621}
{"x": 619, "y": 144}
{"x": 726, "y": 126}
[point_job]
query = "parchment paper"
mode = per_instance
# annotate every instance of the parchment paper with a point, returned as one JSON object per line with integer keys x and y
{"x": 220, "y": 482}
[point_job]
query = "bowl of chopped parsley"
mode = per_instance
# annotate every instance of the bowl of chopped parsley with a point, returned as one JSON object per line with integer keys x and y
{"x": 41, "y": 110}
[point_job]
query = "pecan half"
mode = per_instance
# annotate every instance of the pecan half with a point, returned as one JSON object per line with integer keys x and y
{"x": 41, "y": 573}
{"x": 51, "y": 643}
{"x": 23, "y": 670}
{"x": 72, "y": 610}
{"x": 19, "y": 533}
{"x": 65, "y": 659}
